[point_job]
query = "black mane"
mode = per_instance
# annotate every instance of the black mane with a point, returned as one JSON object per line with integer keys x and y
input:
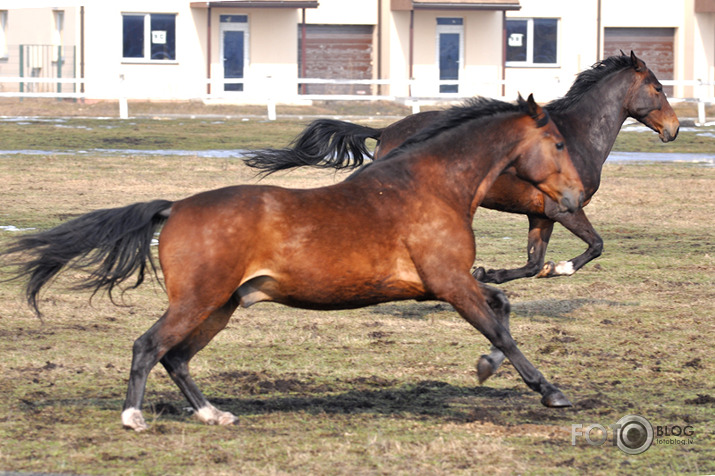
{"x": 471, "y": 109}
{"x": 588, "y": 79}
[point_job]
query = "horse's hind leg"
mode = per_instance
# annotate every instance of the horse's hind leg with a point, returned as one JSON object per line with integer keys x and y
{"x": 170, "y": 331}
{"x": 176, "y": 362}
{"x": 487, "y": 365}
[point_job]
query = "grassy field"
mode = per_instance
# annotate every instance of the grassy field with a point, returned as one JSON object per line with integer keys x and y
{"x": 389, "y": 389}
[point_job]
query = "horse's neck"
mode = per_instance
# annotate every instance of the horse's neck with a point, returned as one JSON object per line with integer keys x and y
{"x": 466, "y": 172}
{"x": 601, "y": 113}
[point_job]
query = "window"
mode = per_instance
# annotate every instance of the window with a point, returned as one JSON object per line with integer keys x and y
{"x": 59, "y": 17}
{"x": 3, "y": 35}
{"x": 149, "y": 36}
{"x": 531, "y": 42}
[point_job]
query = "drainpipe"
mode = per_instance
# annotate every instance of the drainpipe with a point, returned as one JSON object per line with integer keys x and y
{"x": 81, "y": 50}
{"x": 208, "y": 52}
{"x": 302, "y": 51}
{"x": 598, "y": 31}
{"x": 503, "y": 53}
{"x": 379, "y": 45}
{"x": 412, "y": 48}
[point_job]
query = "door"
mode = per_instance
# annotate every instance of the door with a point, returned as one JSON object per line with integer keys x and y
{"x": 234, "y": 49}
{"x": 449, "y": 52}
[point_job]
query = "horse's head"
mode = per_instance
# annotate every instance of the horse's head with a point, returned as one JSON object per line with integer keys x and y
{"x": 646, "y": 102}
{"x": 544, "y": 160}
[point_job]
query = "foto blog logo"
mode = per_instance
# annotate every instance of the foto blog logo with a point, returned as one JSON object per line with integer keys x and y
{"x": 632, "y": 434}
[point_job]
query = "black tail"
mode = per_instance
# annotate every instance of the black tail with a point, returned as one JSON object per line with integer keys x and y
{"x": 116, "y": 241}
{"x": 324, "y": 143}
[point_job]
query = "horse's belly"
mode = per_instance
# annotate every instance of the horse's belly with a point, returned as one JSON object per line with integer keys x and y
{"x": 331, "y": 292}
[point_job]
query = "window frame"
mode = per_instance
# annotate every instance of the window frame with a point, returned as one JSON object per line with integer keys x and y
{"x": 147, "y": 39}
{"x": 241, "y": 25}
{"x": 529, "y": 62}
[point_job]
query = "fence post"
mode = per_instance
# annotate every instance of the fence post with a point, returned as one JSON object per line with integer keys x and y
{"x": 123, "y": 106}
{"x": 22, "y": 69}
{"x": 59, "y": 70}
{"x": 701, "y": 103}
{"x": 270, "y": 101}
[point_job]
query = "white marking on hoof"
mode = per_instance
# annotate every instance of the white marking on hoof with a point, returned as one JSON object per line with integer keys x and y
{"x": 213, "y": 416}
{"x": 565, "y": 268}
{"x": 132, "y": 418}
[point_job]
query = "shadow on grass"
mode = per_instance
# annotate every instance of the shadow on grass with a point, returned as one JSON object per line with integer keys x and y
{"x": 426, "y": 398}
{"x": 429, "y": 399}
{"x": 559, "y": 308}
{"x": 553, "y": 308}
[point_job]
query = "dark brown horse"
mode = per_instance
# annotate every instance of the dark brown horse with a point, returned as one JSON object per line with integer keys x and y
{"x": 241, "y": 245}
{"x": 589, "y": 117}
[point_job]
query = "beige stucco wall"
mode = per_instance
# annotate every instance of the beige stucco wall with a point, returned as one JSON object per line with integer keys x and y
{"x": 273, "y": 54}
{"x": 272, "y": 57}
{"x": 480, "y": 72}
{"x": 576, "y": 49}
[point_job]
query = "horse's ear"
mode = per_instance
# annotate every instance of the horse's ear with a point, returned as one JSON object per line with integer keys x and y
{"x": 638, "y": 64}
{"x": 537, "y": 113}
{"x": 533, "y": 108}
{"x": 520, "y": 100}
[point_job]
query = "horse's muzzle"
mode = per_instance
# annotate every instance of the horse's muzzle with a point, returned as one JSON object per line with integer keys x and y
{"x": 572, "y": 200}
{"x": 670, "y": 133}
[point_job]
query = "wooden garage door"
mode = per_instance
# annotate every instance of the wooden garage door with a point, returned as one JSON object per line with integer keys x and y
{"x": 655, "y": 46}
{"x": 336, "y": 52}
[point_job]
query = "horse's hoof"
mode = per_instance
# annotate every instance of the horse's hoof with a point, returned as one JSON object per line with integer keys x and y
{"x": 132, "y": 419}
{"x": 547, "y": 271}
{"x": 555, "y": 400}
{"x": 479, "y": 274}
{"x": 564, "y": 268}
{"x": 213, "y": 416}
{"x": 485, "y": 368}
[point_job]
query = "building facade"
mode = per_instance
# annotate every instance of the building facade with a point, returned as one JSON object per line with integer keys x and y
{"x": 256, "y": 51}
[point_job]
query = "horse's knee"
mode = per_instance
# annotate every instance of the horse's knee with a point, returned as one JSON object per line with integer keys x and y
{"x": 597, "y": 247}
{"x": 497, "y": 301}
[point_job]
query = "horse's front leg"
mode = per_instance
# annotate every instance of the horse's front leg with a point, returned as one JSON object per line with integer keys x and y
{"x": 538, "y": 240}
{"x": 465, "y": 296}
{"x": 578, "y": 224}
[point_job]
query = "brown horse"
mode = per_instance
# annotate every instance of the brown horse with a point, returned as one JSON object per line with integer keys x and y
{"x": 589, "y": 117}
{"x": 241, "y": 245}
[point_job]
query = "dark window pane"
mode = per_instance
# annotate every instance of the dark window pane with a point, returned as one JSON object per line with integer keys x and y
{"x": 234, "y": 18}
{"x": 545, "y": 40}
{"x": 516, "y": 40}
{"x": 450, "y": 21}
{"x": 163, "y": 37}
{"x": 133, "y": 35}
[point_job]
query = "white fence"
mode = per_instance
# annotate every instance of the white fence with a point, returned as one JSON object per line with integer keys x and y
{"x": 702, "y": 97}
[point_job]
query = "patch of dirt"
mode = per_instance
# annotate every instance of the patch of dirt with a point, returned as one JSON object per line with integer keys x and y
{"x": 701, "y": 400}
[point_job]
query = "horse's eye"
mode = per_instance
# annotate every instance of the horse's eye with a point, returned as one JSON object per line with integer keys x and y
{"x": 659, "y": 89}
{"x": 559, "y": 146}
